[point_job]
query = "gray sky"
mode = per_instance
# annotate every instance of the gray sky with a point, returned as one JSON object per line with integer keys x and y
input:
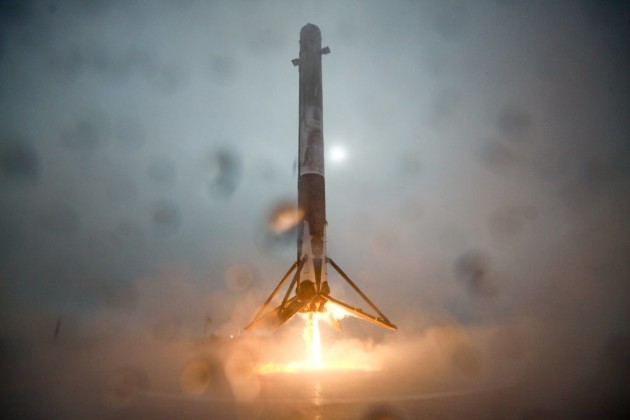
{"x": 143, "y": 146}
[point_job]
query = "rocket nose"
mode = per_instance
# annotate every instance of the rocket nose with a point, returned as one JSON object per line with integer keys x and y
{"x": 310, "y": 31}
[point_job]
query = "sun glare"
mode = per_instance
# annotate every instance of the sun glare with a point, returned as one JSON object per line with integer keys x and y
{"x": 338, "y": 154}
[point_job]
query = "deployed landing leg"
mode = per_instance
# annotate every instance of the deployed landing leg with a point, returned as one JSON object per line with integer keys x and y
{"x": 381, "y": 320}
{"x": 259, "y": 317}
{"x": 305, "y": 302}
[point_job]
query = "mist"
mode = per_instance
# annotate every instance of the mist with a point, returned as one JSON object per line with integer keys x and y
{"x": 147, "y": 149}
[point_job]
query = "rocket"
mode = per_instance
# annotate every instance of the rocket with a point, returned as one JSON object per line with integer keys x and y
{"x": 309, "y": 291}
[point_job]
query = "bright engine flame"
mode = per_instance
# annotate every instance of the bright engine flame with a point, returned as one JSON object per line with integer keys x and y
{"x": 315, "y": 360}
{"x": 313, "y": 340}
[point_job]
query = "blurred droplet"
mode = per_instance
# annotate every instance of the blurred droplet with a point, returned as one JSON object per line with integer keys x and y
{"x": 278, "y": 233}
{"x": 239, "y": 277}
{"x": 284, "y": 217}
{"x": 166, "y": 217}
{"x": 472, "y": 269}
{"x": 19, "y": 161}
{"x": 223, "y": 169}
{"x": 60, "y": 220}
{"x": 195, "y": 377}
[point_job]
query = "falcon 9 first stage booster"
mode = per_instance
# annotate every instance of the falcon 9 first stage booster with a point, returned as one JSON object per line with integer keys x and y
{"x": 311, "y": 183}
{"x": 310, "y": 275}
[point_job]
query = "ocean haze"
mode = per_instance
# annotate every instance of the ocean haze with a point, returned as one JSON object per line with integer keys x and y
{"x": 482, "y": 202}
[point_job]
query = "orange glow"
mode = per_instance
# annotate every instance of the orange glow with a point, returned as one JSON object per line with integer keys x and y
{"x": 284, "y": 217}
{"x": 315, "y": 360}
{"x": 313, "y": 340}
{"x": 336, "y": 311}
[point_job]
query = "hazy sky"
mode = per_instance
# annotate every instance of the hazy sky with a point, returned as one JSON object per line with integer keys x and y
{"x": 486, "y": 179}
